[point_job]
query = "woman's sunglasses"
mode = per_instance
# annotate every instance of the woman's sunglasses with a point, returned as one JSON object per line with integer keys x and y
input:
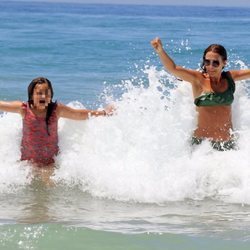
{"x": 214, "y": 63}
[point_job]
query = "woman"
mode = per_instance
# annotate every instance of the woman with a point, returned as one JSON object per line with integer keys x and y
{"x": 213, "y": 91}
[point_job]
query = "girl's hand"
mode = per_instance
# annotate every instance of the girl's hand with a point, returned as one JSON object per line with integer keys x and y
{"x": 109, "y": 109}
{"x": 157, "y": 44}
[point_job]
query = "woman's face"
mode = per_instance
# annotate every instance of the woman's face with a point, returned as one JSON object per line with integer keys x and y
{"x": 41, "y": 96}
{"x": 214, "y": 63}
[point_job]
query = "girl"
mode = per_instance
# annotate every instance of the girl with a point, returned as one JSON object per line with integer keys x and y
{"x": 213, "y": 91}
{"x": 40, "y": 121}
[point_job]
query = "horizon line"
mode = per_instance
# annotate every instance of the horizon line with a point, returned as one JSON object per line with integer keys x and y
{"x": 132, "y": 4}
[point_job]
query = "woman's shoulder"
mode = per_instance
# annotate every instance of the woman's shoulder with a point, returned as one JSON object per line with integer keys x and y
{"x": 201, "y": 78}
{"x": 205, "y": 75}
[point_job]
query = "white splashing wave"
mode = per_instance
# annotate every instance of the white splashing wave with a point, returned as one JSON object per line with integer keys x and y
{"x": 142, "y": 153}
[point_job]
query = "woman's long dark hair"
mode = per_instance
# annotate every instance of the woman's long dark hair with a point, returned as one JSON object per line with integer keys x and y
{"x": 51, "y": 105}
{"x": 216, "y": 48}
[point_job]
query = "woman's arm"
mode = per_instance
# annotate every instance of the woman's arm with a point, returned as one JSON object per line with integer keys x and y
{"x": 14, "y": 106}
{"x": 242, "y": 74}
{"x": 188, "y": 75}
{"x": 81, "y": 114}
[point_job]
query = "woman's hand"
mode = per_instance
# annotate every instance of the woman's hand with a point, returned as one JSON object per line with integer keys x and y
{"x": 157, "y": 44}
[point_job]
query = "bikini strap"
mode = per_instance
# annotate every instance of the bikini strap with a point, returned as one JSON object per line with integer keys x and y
{"x": 230, "y": 80}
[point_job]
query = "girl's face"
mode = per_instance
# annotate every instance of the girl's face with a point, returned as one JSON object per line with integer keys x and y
{"x": 41, "y": 96}
{"x": 214, "y": 63}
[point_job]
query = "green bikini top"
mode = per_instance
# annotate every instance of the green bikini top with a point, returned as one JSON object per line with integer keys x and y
{"x": 219, "y": 98}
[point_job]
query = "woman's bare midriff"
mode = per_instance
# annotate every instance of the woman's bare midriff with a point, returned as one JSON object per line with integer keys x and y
{"x": 214, "y": 123}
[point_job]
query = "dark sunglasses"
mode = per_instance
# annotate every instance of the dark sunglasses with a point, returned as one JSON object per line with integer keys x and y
{"x": 214, "y": 63}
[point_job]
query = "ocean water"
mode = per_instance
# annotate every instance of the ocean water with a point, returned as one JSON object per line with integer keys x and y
{"x": 130, "y": 181}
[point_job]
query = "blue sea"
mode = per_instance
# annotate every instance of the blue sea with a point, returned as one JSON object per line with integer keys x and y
{"x": 130, "y": 181}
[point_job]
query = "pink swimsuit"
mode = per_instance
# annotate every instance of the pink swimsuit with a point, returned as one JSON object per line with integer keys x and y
{"x": 37, "y": 146}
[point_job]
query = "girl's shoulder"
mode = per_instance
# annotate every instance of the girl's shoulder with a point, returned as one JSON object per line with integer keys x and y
{"x": 24, "y": 105}
{"x": 59, "y": 107}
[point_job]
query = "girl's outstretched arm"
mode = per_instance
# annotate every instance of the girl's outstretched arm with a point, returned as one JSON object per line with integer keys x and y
{"x": 81, "y": 114}
{"x": 14, "y": 106}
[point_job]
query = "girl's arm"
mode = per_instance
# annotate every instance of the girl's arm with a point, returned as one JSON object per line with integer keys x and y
{"x": 81, "y": 114}
{"x": 242, "y": 74}
{"x": 188, "y": 75}
{"x": 14, "y": 106}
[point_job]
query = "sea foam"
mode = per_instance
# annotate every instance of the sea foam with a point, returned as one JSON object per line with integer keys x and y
{"x": 142, "y": 153}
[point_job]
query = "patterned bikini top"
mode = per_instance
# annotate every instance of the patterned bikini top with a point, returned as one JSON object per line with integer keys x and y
{"x": 37, "y": 144}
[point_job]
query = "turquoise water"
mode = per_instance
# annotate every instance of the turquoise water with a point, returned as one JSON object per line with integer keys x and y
{"x": 54, "y": 236}
{"x": 129, "y": 181}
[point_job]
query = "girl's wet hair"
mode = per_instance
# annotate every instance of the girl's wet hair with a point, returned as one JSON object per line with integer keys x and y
{"x": 216, "y": 48}
{"x": 51, "y": 105}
